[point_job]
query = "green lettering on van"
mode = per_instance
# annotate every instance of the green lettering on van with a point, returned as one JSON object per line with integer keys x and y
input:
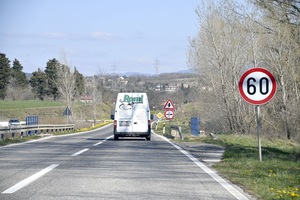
{"x": 129, "y": 99}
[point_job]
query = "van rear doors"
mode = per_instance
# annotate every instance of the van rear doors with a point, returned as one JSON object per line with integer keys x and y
{"x": 132, "y": 115}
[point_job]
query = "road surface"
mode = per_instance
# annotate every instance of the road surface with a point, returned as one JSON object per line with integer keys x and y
{"x": 92, "y": 165}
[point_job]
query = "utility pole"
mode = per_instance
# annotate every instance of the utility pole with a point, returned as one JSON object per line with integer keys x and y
{"x": 114, "y": 87}
{"x": 156, "y": 67}
{"x": 114, "y": 68}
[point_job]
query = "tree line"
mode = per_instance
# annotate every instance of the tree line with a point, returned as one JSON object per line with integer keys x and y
{"x": 57, "y": 81}
{"x": 234, "y": 37}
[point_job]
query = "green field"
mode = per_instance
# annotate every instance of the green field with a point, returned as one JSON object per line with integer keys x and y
{"x": 10, "y": 105}
{"x": 51, "y": 112}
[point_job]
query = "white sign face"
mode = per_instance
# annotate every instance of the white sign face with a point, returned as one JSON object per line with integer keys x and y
{"x": 257, "y": 86}
{"x": 169, "y": 114}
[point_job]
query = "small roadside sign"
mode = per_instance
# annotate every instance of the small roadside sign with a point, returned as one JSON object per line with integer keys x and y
{"x": 169, "y": 114}
{"x": 67, "y": 112}
{"x": 159, "y": 115}
{"x": 169, "y": 105}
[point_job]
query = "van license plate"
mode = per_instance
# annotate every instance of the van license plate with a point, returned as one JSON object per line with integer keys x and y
{"x": 124, "y": 123}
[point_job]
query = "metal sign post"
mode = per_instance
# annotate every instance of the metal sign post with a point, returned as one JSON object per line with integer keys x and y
{"x": 257, "y": 86}
{"x": 258, "y": 124}
{"x": 67, "y": 113}
{"x": 169, "y": 111}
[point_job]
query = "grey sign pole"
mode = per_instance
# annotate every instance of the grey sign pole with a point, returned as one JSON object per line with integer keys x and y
{"x": 258, "y": 123}
{"x": 67, "y": 113}
{"x": 257, "y": 86}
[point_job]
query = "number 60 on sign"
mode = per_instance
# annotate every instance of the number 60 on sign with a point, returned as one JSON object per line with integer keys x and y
{"x": 257, "y": 86}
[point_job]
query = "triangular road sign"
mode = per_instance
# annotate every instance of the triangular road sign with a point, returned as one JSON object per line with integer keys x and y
{"x": 67, "y": 112}
{"x": 169, "y": 105}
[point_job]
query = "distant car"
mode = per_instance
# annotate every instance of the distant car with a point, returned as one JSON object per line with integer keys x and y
{"x": 14, "y": 122}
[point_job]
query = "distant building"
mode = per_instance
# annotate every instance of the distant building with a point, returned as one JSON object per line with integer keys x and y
{"x": 122, "y": 81}
{"x": 172, "y": 87}
{"x": 87, "y": 99}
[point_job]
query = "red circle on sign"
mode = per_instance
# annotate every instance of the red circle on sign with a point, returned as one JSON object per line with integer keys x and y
{"x": 169, "y": 114}
{"x": 245, "y": 93}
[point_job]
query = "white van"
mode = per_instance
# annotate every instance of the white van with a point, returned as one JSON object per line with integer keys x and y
{"x": 132, "y": 116}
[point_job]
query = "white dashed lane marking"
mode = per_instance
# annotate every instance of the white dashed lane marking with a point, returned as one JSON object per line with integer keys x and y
{"x": 80, "y": 152}
{"x": 29, "y": 180}
{"x": 102, "y": 141}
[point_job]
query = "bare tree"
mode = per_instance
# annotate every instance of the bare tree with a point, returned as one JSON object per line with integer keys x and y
{"x": 218, "y": 53}
{"x": 233, "y": 38}
{"x": 97, "y": 90}
{"x": 65, "y": 82}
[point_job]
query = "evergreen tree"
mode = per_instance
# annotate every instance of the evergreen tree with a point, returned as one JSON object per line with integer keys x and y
{"x": 18, "y": 77}
{"x": 38, "y": 83}
{"x": 52, "y": 75}
{"x": 79, "y": 83}
{"x": 4, "y": 75}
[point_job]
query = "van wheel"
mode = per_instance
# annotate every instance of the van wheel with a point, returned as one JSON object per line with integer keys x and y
{"x": 148, "y": 138}
{"x": 116, "y": 137}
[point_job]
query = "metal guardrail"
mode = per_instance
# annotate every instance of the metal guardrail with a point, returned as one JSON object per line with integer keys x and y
{"x": 24, "y": 130}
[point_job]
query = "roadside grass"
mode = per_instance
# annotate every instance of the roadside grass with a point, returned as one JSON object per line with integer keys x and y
{"x": 84, "y": 129}
{"x": 8, "y": 141}
{"x": 276, "y": 177}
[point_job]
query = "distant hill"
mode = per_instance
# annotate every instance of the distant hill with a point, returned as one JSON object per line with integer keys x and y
{"x": 187, "y": 71}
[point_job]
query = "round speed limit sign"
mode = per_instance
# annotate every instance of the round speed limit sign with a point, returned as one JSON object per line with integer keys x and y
{"x": 257, "y": 86}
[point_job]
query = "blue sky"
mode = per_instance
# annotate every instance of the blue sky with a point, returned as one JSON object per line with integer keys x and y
{"x": 96, "y": 35}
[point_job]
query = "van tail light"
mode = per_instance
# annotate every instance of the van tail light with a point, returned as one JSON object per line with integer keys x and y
{"x": 149, "y": 123}
{"x": 115, "y": 124}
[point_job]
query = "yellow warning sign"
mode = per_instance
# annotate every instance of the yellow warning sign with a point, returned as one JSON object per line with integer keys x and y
{"x": 159, "y": 115}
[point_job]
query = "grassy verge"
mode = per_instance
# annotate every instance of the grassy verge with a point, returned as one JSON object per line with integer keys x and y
{"x": 8, "y": 141}
{"x": 84, "y": 129}
{"x": 276, "y": 177}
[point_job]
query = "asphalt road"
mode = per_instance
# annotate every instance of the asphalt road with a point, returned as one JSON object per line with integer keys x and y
{"x": 93, "y": 166}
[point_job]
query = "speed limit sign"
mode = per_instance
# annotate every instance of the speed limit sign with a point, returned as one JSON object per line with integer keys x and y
{"x": 257, "y": 86}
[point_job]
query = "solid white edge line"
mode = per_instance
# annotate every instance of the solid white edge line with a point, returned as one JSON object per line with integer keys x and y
{"x": 102, "y": 141}
{"x": 80, "y": 152}
{"x": 29, "y": 180}
{"x": 207, "y": 170}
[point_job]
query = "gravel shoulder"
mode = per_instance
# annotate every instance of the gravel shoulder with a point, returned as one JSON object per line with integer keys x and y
{"x": 208, "y": 153}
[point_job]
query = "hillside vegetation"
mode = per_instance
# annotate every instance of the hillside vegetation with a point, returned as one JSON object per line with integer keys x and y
{"x": 51, "y": 112}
